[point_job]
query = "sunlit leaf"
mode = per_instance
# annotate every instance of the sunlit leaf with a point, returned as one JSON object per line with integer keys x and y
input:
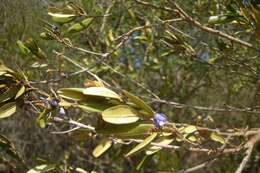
{"x": 188, "y": 129}
{"x": 7, "y": 110}
{"x": 142, "y": 145}
{"x": 101, "y": 92}
{"x": 42, "y": 168}
{"x": 216, "y": 137}
{"x": 101, "y": 148}
{"x": 139, "y": 103}
{"x": 121, "y": 114}
{"x": 20, "y": 92}
{"x": 153, "y": 149}
{"x": 61, "y": 15}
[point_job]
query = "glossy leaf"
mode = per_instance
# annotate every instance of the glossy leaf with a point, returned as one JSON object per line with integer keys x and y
{"x": 139, "y": 103}
{"x": 101, "y": 92}
{"x": 121, "y": 114}
{"x": 7, "y": 110}
{"x": 80, "y": 26}
{"x": 142, "y": 145}
{"x": 101, "y": 148}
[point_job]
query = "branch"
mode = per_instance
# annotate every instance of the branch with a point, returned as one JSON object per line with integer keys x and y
{"x": 250, "y": 146}
{"x": 197, "y": 24}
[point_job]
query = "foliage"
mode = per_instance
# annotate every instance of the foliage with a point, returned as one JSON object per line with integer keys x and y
{"x": 116, "y": 86}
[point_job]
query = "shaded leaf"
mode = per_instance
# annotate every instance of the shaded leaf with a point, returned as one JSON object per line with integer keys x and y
{"x": 125, "y": 130}
{"x": 139, "y": 103}
{"x": 121, "y": 114}
{"x": 94, "y": 106}
{"x": 42, "y": 119}
{"x": 101, "y": 148}
{"x": 80, "y": 26}
{"x": 7, "y": 110}
{"x": 9, "y": 94}
{"x": 140, "y": 146}
{"x": 72, "y": 93}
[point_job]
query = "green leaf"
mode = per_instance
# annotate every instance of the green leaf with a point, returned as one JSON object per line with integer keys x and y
{"x": 139, "y": 103}
{"x": 20, "y": 92}
{"x": 216, "y": 137}
{"x": 9, "y": 94}
{"x": 7, "y": 110}
{"x": 140, "y": 146}
{"x": 42, "y": 119}
{"x": 125, "y": 130}
{"x": 101, "y": 148}
{"x": 80, "y": 26}
{"x": 42, "y": 168}
{"x": 188, "y": 129}
{"x": 101, "y": 92}
{"x": 94, "y": 106}
{"x": 61, "y": 15}
{"x": 221, "y": 19}
{"x": 9, "y": 148}
{"x": 22, "y": 47}
{"x": 72, "y": 93}
{"x": 153, "y": 149}
{"x": 121, "y": 114}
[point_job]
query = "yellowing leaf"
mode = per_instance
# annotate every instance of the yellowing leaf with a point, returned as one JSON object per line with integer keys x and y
{"x": 101, "y": 92}
{"x": 7, "y": 110}
{"x": 139, "y": 103}
{"x": 121, "y": 114}
{"x": 216, "y": 137}
{"x": 102, "y": 147}
{"x": 140, "y": 146}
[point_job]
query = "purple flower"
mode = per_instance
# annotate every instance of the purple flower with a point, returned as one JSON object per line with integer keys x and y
{"x": 159, "y": 120}
{"x": 62, "y": 111}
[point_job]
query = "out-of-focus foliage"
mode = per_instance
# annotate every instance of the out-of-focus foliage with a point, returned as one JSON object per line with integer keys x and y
{"x": 113, "y": 66}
